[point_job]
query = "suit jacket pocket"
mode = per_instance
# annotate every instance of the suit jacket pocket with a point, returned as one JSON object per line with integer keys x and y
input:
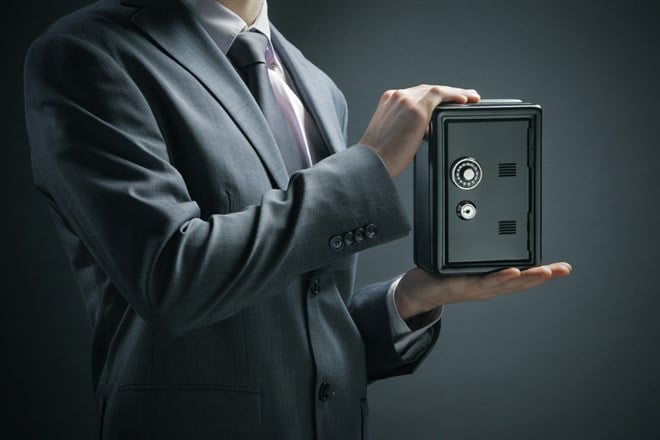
{"x": 184, "y": 408}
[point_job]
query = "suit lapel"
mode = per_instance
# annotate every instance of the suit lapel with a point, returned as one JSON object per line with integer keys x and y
{"x": 318, "y": 100}
{"x": 176, "y": 32}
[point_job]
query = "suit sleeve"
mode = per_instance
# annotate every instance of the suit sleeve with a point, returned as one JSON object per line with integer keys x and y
{"x": 369, "y": 310}
{"x": 98, "y": 153}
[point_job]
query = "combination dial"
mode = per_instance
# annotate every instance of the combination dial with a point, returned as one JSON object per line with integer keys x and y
{"x": 466, "y": 173}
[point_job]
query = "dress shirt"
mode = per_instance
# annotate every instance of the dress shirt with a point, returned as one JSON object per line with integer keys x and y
{"x": 223, "y": 25}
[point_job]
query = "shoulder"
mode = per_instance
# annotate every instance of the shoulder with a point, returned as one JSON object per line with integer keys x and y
{"x": 105, "y": 26}
{"x": 84, "y": 53}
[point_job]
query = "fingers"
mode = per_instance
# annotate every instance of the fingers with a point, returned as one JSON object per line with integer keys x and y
{"x": 435, "y": 95}
{"x": 387, "y": 95}
{"x": 472, "y": 95}
{"x": 492, "y": 281}
{"x": 535, "y": 276}
{"x": 548, "y": 272}
{"x": 510, "y": 280}
{"x": 561, "y": 269}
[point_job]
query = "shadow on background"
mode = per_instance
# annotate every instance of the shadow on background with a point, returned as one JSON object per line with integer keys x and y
{"x": 575, "y": 359}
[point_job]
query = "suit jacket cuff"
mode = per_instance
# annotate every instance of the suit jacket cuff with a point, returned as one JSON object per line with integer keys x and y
{"x": 371, "y": 314}
{"x": 410, "y": 338}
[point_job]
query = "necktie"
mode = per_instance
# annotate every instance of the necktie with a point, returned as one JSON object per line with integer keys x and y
{"x": 248, "y": 54}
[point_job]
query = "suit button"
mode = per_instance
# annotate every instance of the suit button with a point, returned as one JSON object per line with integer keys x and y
{"x": 316, "y": 287}
{"x": 349, "y": 239}
{"x": 370, "y": 230}
{"x": 359, "y": 235}
{"x": 336, "y": 243}
{"x": 325, "y": 392}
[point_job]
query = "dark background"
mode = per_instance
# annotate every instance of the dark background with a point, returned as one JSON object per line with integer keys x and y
{"x": 576, "y": 359}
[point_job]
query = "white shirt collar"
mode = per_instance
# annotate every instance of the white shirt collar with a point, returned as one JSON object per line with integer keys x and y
{"x": 223, "y": 25}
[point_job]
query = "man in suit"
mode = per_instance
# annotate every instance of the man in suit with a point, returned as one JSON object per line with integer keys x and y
{"x": 216, "y": 260}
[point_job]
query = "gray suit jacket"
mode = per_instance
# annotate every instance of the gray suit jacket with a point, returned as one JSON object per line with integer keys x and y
{"x": 220, "y": 302}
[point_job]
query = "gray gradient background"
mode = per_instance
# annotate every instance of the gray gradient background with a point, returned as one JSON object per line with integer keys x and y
{"x": 577, "y": 359}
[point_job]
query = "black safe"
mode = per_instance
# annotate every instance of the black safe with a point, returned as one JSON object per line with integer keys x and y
{"x": 478, "y": 188}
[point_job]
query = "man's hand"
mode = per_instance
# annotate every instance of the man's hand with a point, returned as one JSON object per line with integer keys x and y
{"x": 402, "y": 118}
{"x": 419, "y": 291}
{"x": 395, "y": 132}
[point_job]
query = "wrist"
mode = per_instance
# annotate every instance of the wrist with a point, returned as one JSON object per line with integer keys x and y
{"x": 411, "y": 296}
{"x": 402, "y": 305}
{"x": 406, "y": 303}
{"x": 381, "y": 155}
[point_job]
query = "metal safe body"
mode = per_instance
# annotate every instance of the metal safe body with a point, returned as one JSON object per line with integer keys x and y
{"x": 478, "y": 188}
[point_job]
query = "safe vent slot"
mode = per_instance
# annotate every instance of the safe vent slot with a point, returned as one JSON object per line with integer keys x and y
{"x": 507, "y": 169}
{"x": 508, "y": 227}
